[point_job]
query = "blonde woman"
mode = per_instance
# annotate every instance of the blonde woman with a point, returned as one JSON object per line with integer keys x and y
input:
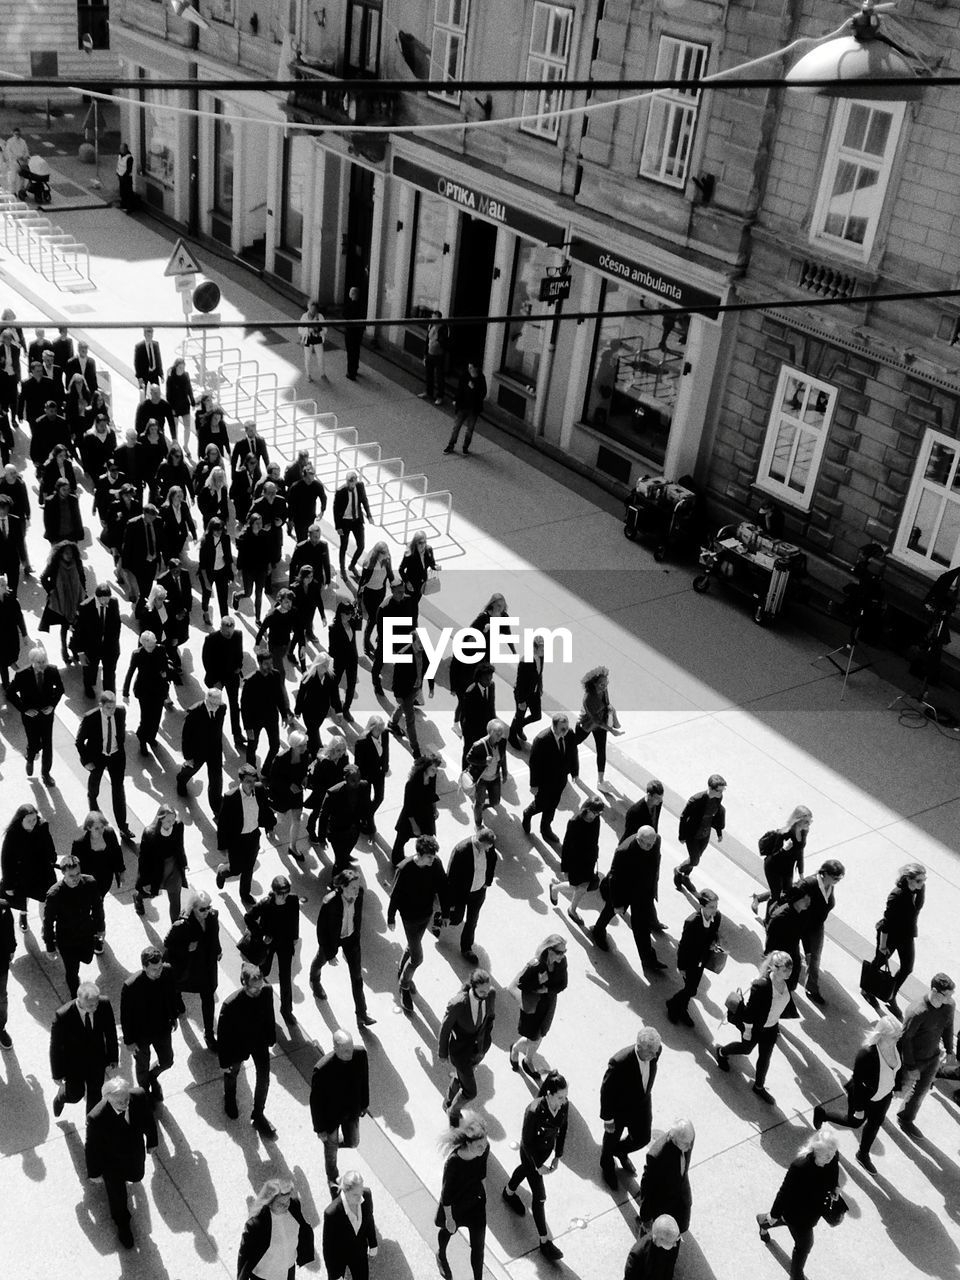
{"x": 810, "y": 1181}
{"x": 782, "y": 850}
{"x": 870, "y": 1090}
{"x": 376, "y": 574}
{"x": 276, "y": 1234}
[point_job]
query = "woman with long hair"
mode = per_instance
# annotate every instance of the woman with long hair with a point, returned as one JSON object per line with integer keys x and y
{"x": 97, "y": 849}
{"x": 27, "y": 860}
{"x": 543, "y": 1136}
{"x": 307, "y": 601}
{"x": 162, "y": 862}
{"x": 244, "y": 483}
{"x": 56, "y": 468}
{"x": 210, "y": 457}
{"x": 371, "y": 755}
{"x": 180, "y": 398}
{"x": 811, "y": 1180}
{"x": 597, "y": 717}
{"x": 415, "y": 568}
{"x": 870, "y": 1089}
{"x": 253, "y": 561}
{"x": 213, "y": 498}
{"x": 78, "y": 410}
{"x": 173, "y": 470}
{"x": 897, "y": 930}
{"x": 342, "y": 643}
{"x": 316, "y": 694}
{"x": 418, "y": 813}
{"x": 212, "y": 429}
{"x": 463, "y": 1197}
{"x": 215, "y": 568}
{"x": 276, "y": 1234}
{"x": 176, "y": 524}
{"x": 325, "y": 772}
{"x": 65, "y": 583}
{"x": 151, "y": 452}
{"x": 285, "y": 783}
{"x": 62, "y": 521}
{"x": 782, "y": 850}
{"x": 283, "y": 633}
{"x": 463, "y": 673}
{"x": 98, "y": 445}
{"x": 579, "y": 855}
{"x": 375, "y": 575}
{"x": 536, "y": 987}
{"x": 769, "y": 1000}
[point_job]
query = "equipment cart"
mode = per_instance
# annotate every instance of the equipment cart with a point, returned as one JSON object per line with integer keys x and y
{"x": 660, "y": 511}
{"x": 754, "y": 564}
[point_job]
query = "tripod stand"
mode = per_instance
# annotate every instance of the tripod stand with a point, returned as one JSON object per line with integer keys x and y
{"x": 867, "y": 599}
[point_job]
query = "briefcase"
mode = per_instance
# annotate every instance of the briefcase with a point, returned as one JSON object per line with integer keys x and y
{"x": 716, "y": 959}
{"x": 876, "y": 979}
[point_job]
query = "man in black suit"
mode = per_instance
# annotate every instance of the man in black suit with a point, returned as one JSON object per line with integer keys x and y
{"x": 11, "y": 543}
{"x": 154, "y": 408}
{"x": 102, "y": 744}
{"x": 625, "y": 1102}
{"x": 38, "y": 346}
{"x": 150, "y": 1005}
{"x": 303, "y": 498}
{"x": 73, "y": 922}
{"x": 35, "y": 692}
{"x": 147, "y": 363}
{"x": 353, "y": 309}
{"x": 62, "y": 348}
{"x": 244, "y": 813}
{"x": 222, "y": 659}
{"x": 349, "y": 505}
{"x": 51, "y": 375}
{"x": 246, "y": 1029}
{"x": 33, "y": 396}
{"x": 398, "y": 604}
{"x": 140, "y": 553}
{"x": 339, "y": 924}
{"x": 175, "y": 581}
{"x": 646, "y": 811}
{"x": 339, "y": 1096}
{"x": 476, "y": 709}
{"x": 820, "y": 889}
{"x": 313, "y": 550}
{"x": 699, "y": 937}
{"x": 249, "y": 442}
{"x": 96, "y": 637}
{"x": 703, "y": 813}
{"x": 83, "y": 1047}
{"x": 202, "y": 744}
{"x": 263, "y": 704}
{"x": 527, "y": 694}
{"x": 469, "y": 875}
{"x": 466, "y": 1034}
{"x": 192, "y": 949}
{"x": 83, "y": 363}
{"x": 347, "y": 1246}
{"x": 553, "y": 758}
{"x": 665, "y": 1185}
{"x": 120, "y": 1130}
{"x": 631, "y": 885}
{"x": 344, "y": 813}
{"x": 48, "y": 430}
{"x": 654, "y": 1256}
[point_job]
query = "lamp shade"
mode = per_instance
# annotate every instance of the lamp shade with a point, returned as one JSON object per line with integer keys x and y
{"x": 846, "y": 58}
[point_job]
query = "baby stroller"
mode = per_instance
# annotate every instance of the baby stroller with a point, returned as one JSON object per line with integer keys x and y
{"x": 35, "y": 181}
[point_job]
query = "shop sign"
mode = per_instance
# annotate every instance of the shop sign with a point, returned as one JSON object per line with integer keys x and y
{"x": 477, "y": 202}
{"x": 649, "y": 279}
{"x": 554, "y": 288}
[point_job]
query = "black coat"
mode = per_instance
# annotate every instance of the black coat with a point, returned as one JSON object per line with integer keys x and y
{"x": 105, "y": 865}
{"x": 552, "y": 762}
{"x": 116, "y": 1148}
{"x": 246, "y": 1025}
{"x": 255, "y": 1240}
{"x": 692, "y": 816}
{"x": 647, "y": 1261}
{"x": 414, "y": 569}
{"x": 340, "y": 500}
{"x": 865, "y": 1079}
{"x": 696, "y": 941}
{"x": 222, "y": 658}
{"x": 154, "y": 851}
{"x": 899, "y": 920}
{"x": 74, "y": 1053}
{"x": 820, "y": 907}
{"x": 419, "y": 803}
{"x": 580, "y": 850}
{"x": 665, "y": 1185}
{"x": 623, "y": 1098}
{"x": 478, "y": 706}
{"x": 339, "y": 1090}
{"x": 27, "y": 861}
{"x": 13, "y": 630}
{"x": 799, "y": 1202}
{"x": 633, "y": 877}
{"x": 94, "y": 639}
{"x": 528, "y": 686}
{"x": 341, "y": 1244}
{"x": 230, "y": 817}
{"x": 73, "y": 917}
{"x": 543, "y": 1134}
{"x": 285, "y": 773}
{"x": 192, "y": 950}
{"x": 202, "y": 737}
{"x": 263, "y": 699}
{"x": 149, "y": 1007}
{"x": 330, "y": 922}
{"x": 277, "y": 921}
{"x": 641, "y": 815}
{"x": 373, "y": 764}
{"x": 460, "y": 873}
{"x": 482, "y": 752}
{"x": 460, "y": 1036}
{"x": 89, "y": 741}
{"x": 27, "y": 695}
{"x": 757, "y": 1008}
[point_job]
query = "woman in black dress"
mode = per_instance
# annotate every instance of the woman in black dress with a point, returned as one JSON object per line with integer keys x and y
{"x": 149, "y": 671}
{"x": 176, "y": 524}
{"x": 371, "y": 755}
{"x": 13, "y": 630}
{"x": 810, "y": 1181}
{"x": 212, "y": 497}
{"x": 66, "y": 585}
{"x": 98, "y": 446}
{"x": 253, "y": 561}
{"x": 151, "y": 452}
{"x": 897, "y": 929}
{"x": 27, "y": 859}
{"x": 325, "y": 772}
{"x": 210, "y": 457}
{"x": 578, "y": 857}
{"x": 782, "y": 850}
{"x": 415, "y": 568}
{"x": 212, "y": 429}
{"x": 172, "y": 471}
{"x": 342, "y": 643}
{"x": 463, "y": 1197}
{"x": 162, "y": 863}
{"x": 316, "y": 693}
{"x": 180, "y": 398}
{"x": 537, "y": 986}
{"x": 418, "y": 815}
{"x": 543, "y": 1135}
{"x": 215, "y": 568}
{"x": 98, "y": 851}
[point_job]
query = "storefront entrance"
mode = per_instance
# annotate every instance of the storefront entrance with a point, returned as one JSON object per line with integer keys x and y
{"x": 471, "y": 290}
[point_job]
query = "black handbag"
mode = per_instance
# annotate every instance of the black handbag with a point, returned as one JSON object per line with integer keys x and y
{"x": 834, "y": 1209}
{"x": 716, "y": 959}
{"x": 252, "y": 947}
{"x": 876, "y": 979}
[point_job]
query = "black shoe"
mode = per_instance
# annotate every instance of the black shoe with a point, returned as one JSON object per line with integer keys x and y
{"x": 247, "y": 899}
{"x": 553, "y": 895}
{"x": 515, "y": 742}
{"x": 364, "y": 1020}
{"x": 221, "y": 876}
{"x": 466, "y": 453}
{"x": 513, "y": 1201}
{"x": 550, "y": 1251}
{"x": 48, "y": 780}
{"x": 156, "y": 1091}
{"x": 549, "y": 835}
{"x": 863, "y": 1159}
{"x": 319, "y": 992}
{"x": 672, "y": 1015}
{"x": 444, "y": 1266}
{"x": 125, "y": 1236}
{"x": 263, "y": 1126}
{"x": 525, "y": 821}
{"x": 654, "y": 965}
{"x": 907, "y": 1126}
{"x": 599, "y": 939}
{"x": 609, "y": 1175}
{"x": 5, "y": 1041}
{"x": 627, "y": 1165}
{"x": 289, "y": 1017}
{"x": 29, "y": 766}
{"x": 127, "y": 834}
{"x": 722, "y": 1062}
{"x": 59, "y": 1102}
{"x": 406, "y": 999}
{"x": 23, "y": 921}
{"x": 818, "y": 1116}
{"x": 815, "y": 998}
{"x": 138, "y": 906}
{"x": 211, "y": 1042}
{"x": 530, "y": 1071}
{"x": 764, "y": 1095}
{"x": 471, "y": 956}
{"x": 679, "y": 879}
{"x": 894, "y": 1007}
{"x": 231, "y": 1110}
{"x": 685, "y": 1019}
{"x": 449, "y": 449}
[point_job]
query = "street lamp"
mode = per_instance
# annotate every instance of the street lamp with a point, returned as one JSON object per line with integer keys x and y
{"x": 866, "y": 54}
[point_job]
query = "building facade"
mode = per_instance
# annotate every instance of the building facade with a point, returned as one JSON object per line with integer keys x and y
{"x": 54, "y": 38}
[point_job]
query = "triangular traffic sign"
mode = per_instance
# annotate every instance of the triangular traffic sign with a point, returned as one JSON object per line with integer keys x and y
{"x": 182, "y": 262}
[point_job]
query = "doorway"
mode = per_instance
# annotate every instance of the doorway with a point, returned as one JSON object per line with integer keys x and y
{"x": 359, "y": 230}
{"x": 471, "y": 290}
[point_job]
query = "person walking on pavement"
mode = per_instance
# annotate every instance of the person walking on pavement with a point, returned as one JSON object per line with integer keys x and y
{"x": 73, "y": 923}
{"x": 349, "y": 1231}
{"x": 476, "y": 708}
{"x": 371, "y": 755}
{"x": 149, "y": 672}
{"x": 27, "y": 860}
{"x": 35, "y": 692}
{"x": 285, "y": 784}
{"x": 339, "y": 924}
{"x": 417, "y": 568}
{"x": 222, "y": 661}
{"x": 927, "y": 1025}
{"x": 147, "y": 362}
{"x": 101, "y": 745}
{"x": 343, "y": 815}
{"x": 127, "y": 199}
{"x": 274, "y": 922}
{"x": 810, "y": 1182}
{"x": 355, "y": 311}
{"x": 626, "y": 1103}
{"x": 401, "y": 606}
{"x": 342, "y": 643}
{"x": 820, "y": 889}
{"x": 246, "y": 1029}
{"x": 339, "y": 1096}
{"x": 83, "y": 1047}
{"x": 464, "y": 1039}
{"x": 244, "y": 813}
{"x": 98, "y": 851}
{"x": 8, "y": 948}
{"x": 418, "y": 813}
{"x": 543, "y": 1136}
{"x": 486, "y": 762}
{"x": 463, "y": 1196}
{"x": 704, "y": 812}
{"x": 470, "y": 873}
{"x": 769, "y": 1000}
{"x": 654, "y": 1256}
{"x": 150, "y": 1005}
{"x": 263, "y": 705}
{"x": 407, "y": 687}
{"x": 162, "y": 862}
{"x": 897, "y": 928}
{"x": 349, "y": 507}
{"x": 527, "y": 694}
{"x": 121, "y": 1129}
{"x": 698, "y": 941}
{"x": 579, "y": 855}
{"x": 646, "y": 811}
{"x": 536, "y": 988}
{"x": 310, "y": 335}
{"x": 468, "y": 406}
{"x": 12, "y": 547}
{"x": 419, "y": 890}
{"x": 96, "y": 638}
{"x": 782, "y": 850}
{"x": 785, "y": 928}
{"x": 870, "y": 1090}
{"x": 192, "y": 950}
{"x": 597, "y": 717}
{"x": 276, "y": 1237}
{"x": 326, "y": 771}
{"x": 553, "y": 758}
{"x": 665, "y": 1184}
{"x": 201, "y": 744}
{"x": 631, "y": 885}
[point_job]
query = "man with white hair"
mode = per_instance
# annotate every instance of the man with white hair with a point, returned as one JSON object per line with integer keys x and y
{"x": 339, "y": 1096}
{"x": 349, "y": 505}
{"x": 120, "y": 1129}
{"x": 83, "y": 1047}
{"x": 625, "y": 1102}
{"x": 654, "y": 1256}
{"x": 665, "y": 1185}
{"x": 202, "y": 745}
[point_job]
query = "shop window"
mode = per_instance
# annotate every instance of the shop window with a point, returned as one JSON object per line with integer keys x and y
{"x": 449, "y": 45}
{"x": 426, "y": 261}
{"x": 673, "y": 113}
{"x": 635, "y": 374}
{"x": 523, "y": 341}
{"x": 547, "y": 62}
{"x": 856, "y": 172}
{"x": 796, "y": 435}
{"x": 296, "y": 170}
{"x": 158, "y": 138}
{"x": 929, "y": 533}
{"x": 93, "y": 20}
{"x": 222, "y": 164}
{"x": 363, "y": 38}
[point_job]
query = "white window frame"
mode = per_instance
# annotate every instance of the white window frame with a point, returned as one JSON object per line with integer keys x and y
{"x": 779, "y": 418}
{"x": 838, "y": 154}
{"x": 673, "y": 113}
{"x": 920, "y": 485}
{"x": 448, "y": 51}
{"x": 547, "y": 65}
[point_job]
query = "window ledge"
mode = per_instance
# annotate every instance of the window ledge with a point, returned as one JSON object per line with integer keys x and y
{"x": 801, "y": 504}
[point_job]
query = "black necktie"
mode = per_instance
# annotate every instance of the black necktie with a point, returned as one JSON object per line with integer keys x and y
{"x": 150, "y": 545}
{"x": 103, "y": 620}
{"x": 109, "y": 746}
{"x": 480, "y": 1006}
{"x": 88, "y": 1020}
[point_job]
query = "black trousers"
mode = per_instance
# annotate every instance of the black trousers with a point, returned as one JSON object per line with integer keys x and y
{"x": 242, "y": 858}
{"x": 346, "y": 668}
{"x": 214, "y": 769}
{"x": 151, "y": 713}
{"x": 39, "y": 733}
{"x": 93, "y": 664}
{"x": 272, "y": 730}
{"x": 285, "y": 969}
{"x": 641, "y": 916}
{"x": 208, "y": 998}
{"x": 763, "y": 1041}
{"x": 527, "y": 1171}
{"x": 351, "y": 953}
{"x": 545, "y": 803}
{"x": 614, "y": 1143}
{"x": 73, "y": 958}
{"x": 476, "y": 1224}
{"x": 116, "y": 1189}
{"x": 261, "y": 1087}
{"x": 691, "y": 985}
{"x": 871, "y": 1120}
{"x": 73, "y": 1088}
{"x": 348, "y": 528}
{"x": 475, "y": 902}
{"x": 352, "y": 340}
{"x": 116, "y": 766}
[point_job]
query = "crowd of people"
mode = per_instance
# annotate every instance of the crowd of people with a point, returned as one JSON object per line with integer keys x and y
{"x": 260, "y": 539}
